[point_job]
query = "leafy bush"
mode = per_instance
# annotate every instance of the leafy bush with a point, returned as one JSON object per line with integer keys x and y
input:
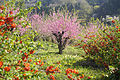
{"x": 104, "y": 46}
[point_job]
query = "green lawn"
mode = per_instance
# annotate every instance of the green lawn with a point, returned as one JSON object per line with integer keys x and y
{"x": 71, "y": 58}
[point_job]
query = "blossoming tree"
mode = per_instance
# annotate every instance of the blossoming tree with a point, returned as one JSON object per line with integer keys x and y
{"x": 61, "y": 26}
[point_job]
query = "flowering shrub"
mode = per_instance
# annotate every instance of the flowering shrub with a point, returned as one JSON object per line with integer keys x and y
{"x": 104, "y": 46}
{"x": 17, "y": 61}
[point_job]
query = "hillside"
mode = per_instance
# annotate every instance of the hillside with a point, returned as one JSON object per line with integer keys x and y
{"x": 112, "y": 7}
{"x": 82, "y": 7}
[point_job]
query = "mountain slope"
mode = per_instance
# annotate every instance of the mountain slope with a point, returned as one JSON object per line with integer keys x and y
{"x": 112, "y": 7}
{"x": 81, "y": 6}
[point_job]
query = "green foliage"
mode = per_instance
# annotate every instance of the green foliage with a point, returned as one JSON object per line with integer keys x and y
{"x": 105, "y": 48}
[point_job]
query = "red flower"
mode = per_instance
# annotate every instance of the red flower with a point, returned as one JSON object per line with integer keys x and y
{"x": 70, "y": 76}
{"x": 113, "y": 21}
{"x": 112, "y": 54}
{"x": 11, "y": 12}
{"x": 115, "y": 49}
{"x": 32, "y": 51}
{"x": 17, "y": 67}
{"x": 27, "y": 68}
{"x": 36, "y": 63}
{"x": 35, "y": 71}
{"x": 39, "y": 61}
{"x": 32, "y": 70}
{"x": 17, "y": 78}
{"x": 52, "y": 77}
{"x": 13, "y": 25}
{"x": 89, "y": 77}
{"x": 8, "y": 27}
{"x": 42, "y": 64}
{"x": 30, "y": 60}
{"x": 117, "y": 27}
{"x": 1, "y": 63}
{"x": 20, "y": 42}
{"x": 1, "y": 17}
{"x": 7, "y": 68}
{"x": 111, "y": 38}
{"x": 24, "y": 74}
{"x": 2, "y": 23}
{"x": 2, "y": 7}
{"x": 119, "y": 30}
{"x": 82, "y": 76}
{"x": 20, "y": 51}
{"x": 9, "y": 20}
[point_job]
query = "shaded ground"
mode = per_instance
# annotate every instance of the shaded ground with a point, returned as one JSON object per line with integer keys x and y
{"x": 89, "y": 63}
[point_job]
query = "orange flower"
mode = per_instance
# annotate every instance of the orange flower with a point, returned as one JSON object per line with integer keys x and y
{"x": 32, "y": 51}
{"x": 2, "y": 23}
{"x": 19, "y": 62}
{"x": 2, "y": 7}
{"x": 56, "y": 69}
{"x": 70, "y": 76}
{"x": 17, "y": 67}
{"x": 11, "y": 12}
{"x": 13, "y": 25}
{"x": 30, "y": 60}
{"x": 16, "y": 78}
{"x": 77, "y": 72}
{"x": 26, "y": 64}
{"x": 27, "y": 68}
{"x": 35, "y": 71}
{"x": 1, "y": 17}
{"x": 52, "y": 77}
{"x": 39, "y": 61}
{"x": 117, "y": 27}
{"x": 7, "y": 68}
{"x": 42, "y": 64}
{"x": 106, "y": 42}
{"x": 32, "y": 70}
{"x": 9, "y": 20}
{"x": 24, "y": 74}
{"x": 1, "y": 63}
{"x": 26, "y": 54}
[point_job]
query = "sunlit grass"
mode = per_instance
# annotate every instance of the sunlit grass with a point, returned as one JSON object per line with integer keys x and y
{"x": 71, "y": 58}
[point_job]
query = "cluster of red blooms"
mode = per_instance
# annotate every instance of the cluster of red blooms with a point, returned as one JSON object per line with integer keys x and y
{"x": 68, "y": 71}
{"x": 50, "y": 69}
{"x": 118, "y": 29}
{"x": 103, "y": 43}
{"x": 7, "y": 68}
{"x": 25, "y": 56}
{"x": 38, "y": 63}
{"x": 52, "y": 77}
{"x": 6, "y": 22}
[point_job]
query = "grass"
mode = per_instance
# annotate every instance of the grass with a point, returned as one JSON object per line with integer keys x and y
{"x": 71, "y": 58}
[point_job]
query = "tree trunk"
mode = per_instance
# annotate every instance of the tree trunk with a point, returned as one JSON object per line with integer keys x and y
{"x": 60, "y": 41}
{"x": 60, "y": 49}
{"x": 60, "y": 46}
